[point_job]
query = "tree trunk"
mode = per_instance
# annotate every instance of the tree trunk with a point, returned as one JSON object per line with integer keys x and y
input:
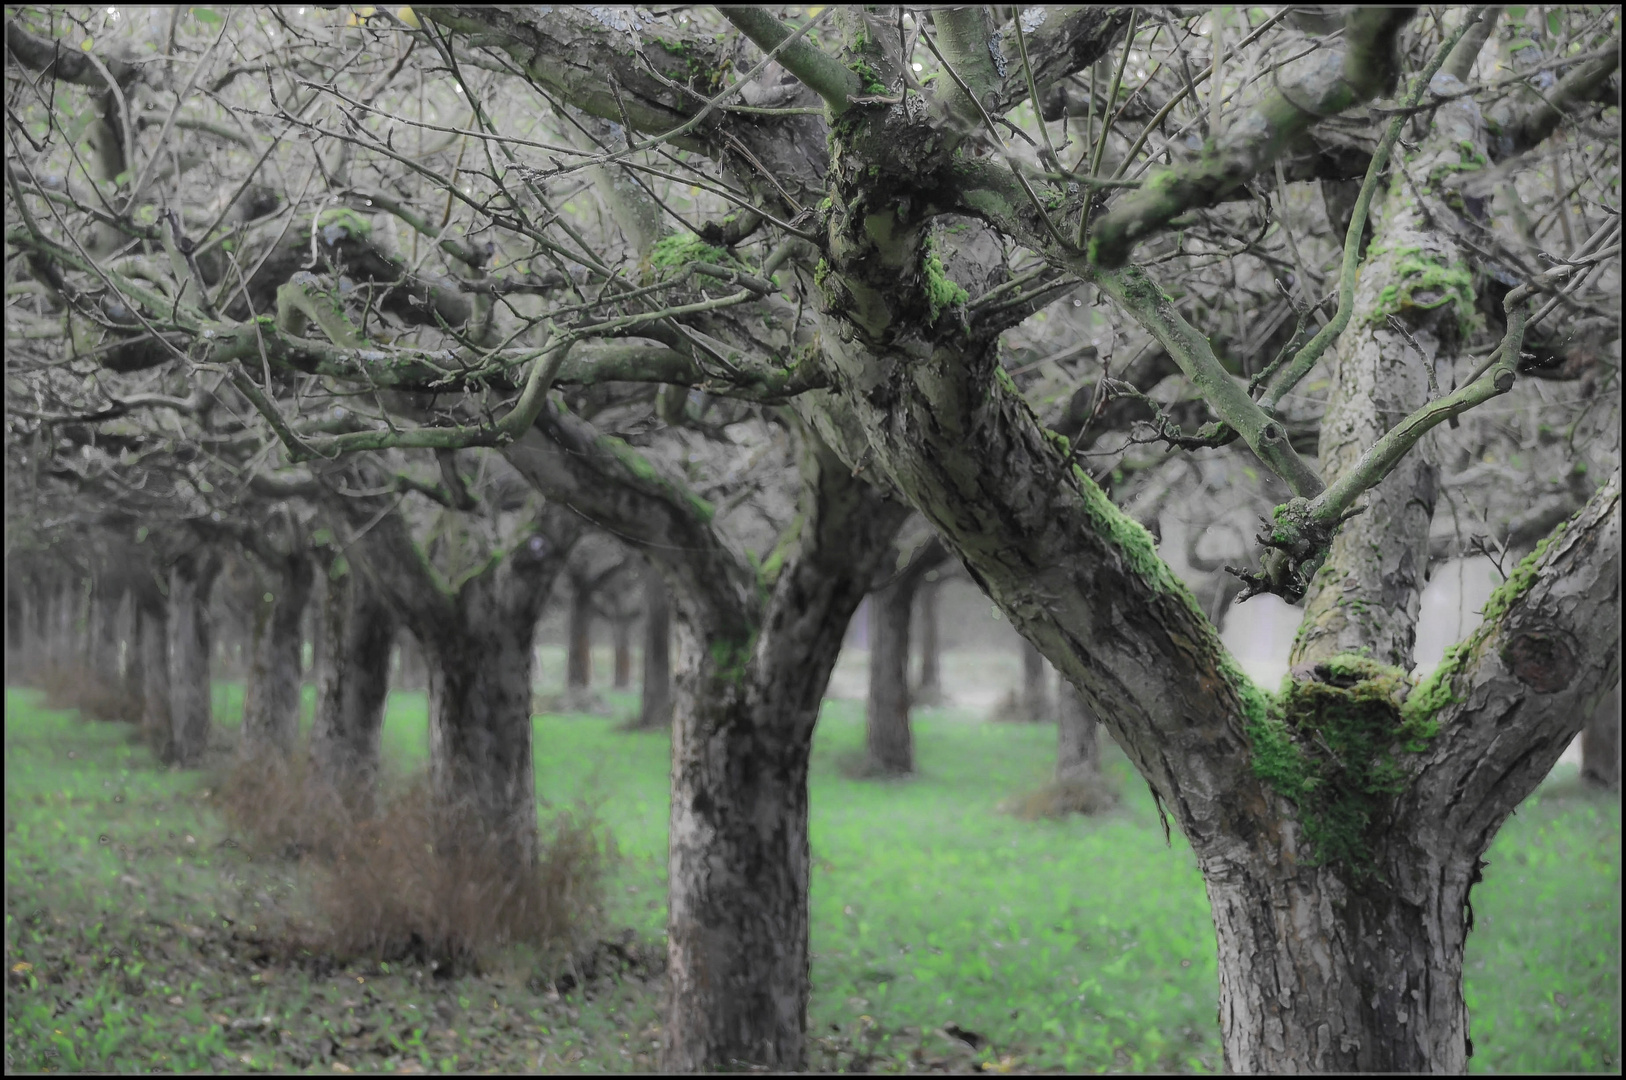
{"x": 889, "y": 745}
{"x": 579, "y": 660}
{"x": 271, "y": 696}
{"x": 1600, "y": 744}
{"x": 756, "y": 647}
{"x": 66, "y": 643}
{"x": 478, "y": 644}
{"x": 190, "y": 646}
{"x": 352, "y": 684}
{"x": 930, "y": 690}
{"x": 1316, "y": 976}
{"x": 1078, "y": 738}
{"x": 132, "y": 680}
{"x": 101, "y": 635}
{"x": 622, "y": 629}
{"x": 738, "y": 864}
{"x": 1035, "y": 703}
{"x": 480, "y": 732}
{"x": 655, "y": 708}
{"x": 153, "y": 616}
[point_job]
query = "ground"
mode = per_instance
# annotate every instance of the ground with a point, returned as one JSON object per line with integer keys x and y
{"x": 946, "y": 935}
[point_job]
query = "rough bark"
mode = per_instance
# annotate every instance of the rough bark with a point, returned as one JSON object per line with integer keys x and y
{"x": 191, "y": 643}
{"x": 1331, "y": 966}
{"x": 655, "y": 706}
{"x": 1319, "y": 971}
{"x": 755, "y": 654}
{"x": 738, "y": 866}
{"x": 1600, "y": 744}
{"x": 271, "y": 693}
{"x": 352, "y": 684}
{"x": 889, "y": 746}
{"x": 1368, "y": 594}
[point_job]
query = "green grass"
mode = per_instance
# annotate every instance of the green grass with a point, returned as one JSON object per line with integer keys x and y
{"x": 1082, "y": 944}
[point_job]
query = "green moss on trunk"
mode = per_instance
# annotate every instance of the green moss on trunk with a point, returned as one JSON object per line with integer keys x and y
{"x": 1334, "y": 746}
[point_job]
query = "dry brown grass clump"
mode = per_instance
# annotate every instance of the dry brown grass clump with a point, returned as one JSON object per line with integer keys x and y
{"x": 418, "y": 881}
{"x": 433, "y": 884}
{"x": 281, "y": 808}
{"x": 1063, "y": 797}
{"x": 76, "y": 686}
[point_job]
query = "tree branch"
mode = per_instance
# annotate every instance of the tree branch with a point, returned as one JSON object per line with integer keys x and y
{"x": 1326, "y": 84}
{"x": 822, "y": 73}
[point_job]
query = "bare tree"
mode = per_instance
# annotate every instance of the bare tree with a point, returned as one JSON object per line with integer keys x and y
{"x": 1009, "y": 273}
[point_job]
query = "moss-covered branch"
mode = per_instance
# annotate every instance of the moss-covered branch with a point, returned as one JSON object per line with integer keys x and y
{"x": 1135, "y": 292}
{"x": 1322, "y": 85}
{"x": 1498, "y": 379}
{"x": 1300, "y": 365}
{"x": 1531, "y": 128}
{"x": 824, "y": 74}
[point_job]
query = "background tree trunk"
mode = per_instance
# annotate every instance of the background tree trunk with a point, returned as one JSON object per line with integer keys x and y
{"x": 930, "y": 689}
{"x": 579, "y": 645}
{"x": 1600, "y": 744}
{"x": 1035, "y": 701}
{"x": 655, "y": 708}
{"x": 271, "y": 695}
{"x": 190, "y": 644}
{"x": 737, "y": 925}
{"x": 1078, "y": 738}
{"x": 622, "y": 629}
{"x": 153, "y": 615}
{"x": 352, "y": 684}
{"x": 101, "y": 632}
{"x": 133, "y": 679}
{"x": 888, "y": 743}
{"x": 480, "y": 730}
